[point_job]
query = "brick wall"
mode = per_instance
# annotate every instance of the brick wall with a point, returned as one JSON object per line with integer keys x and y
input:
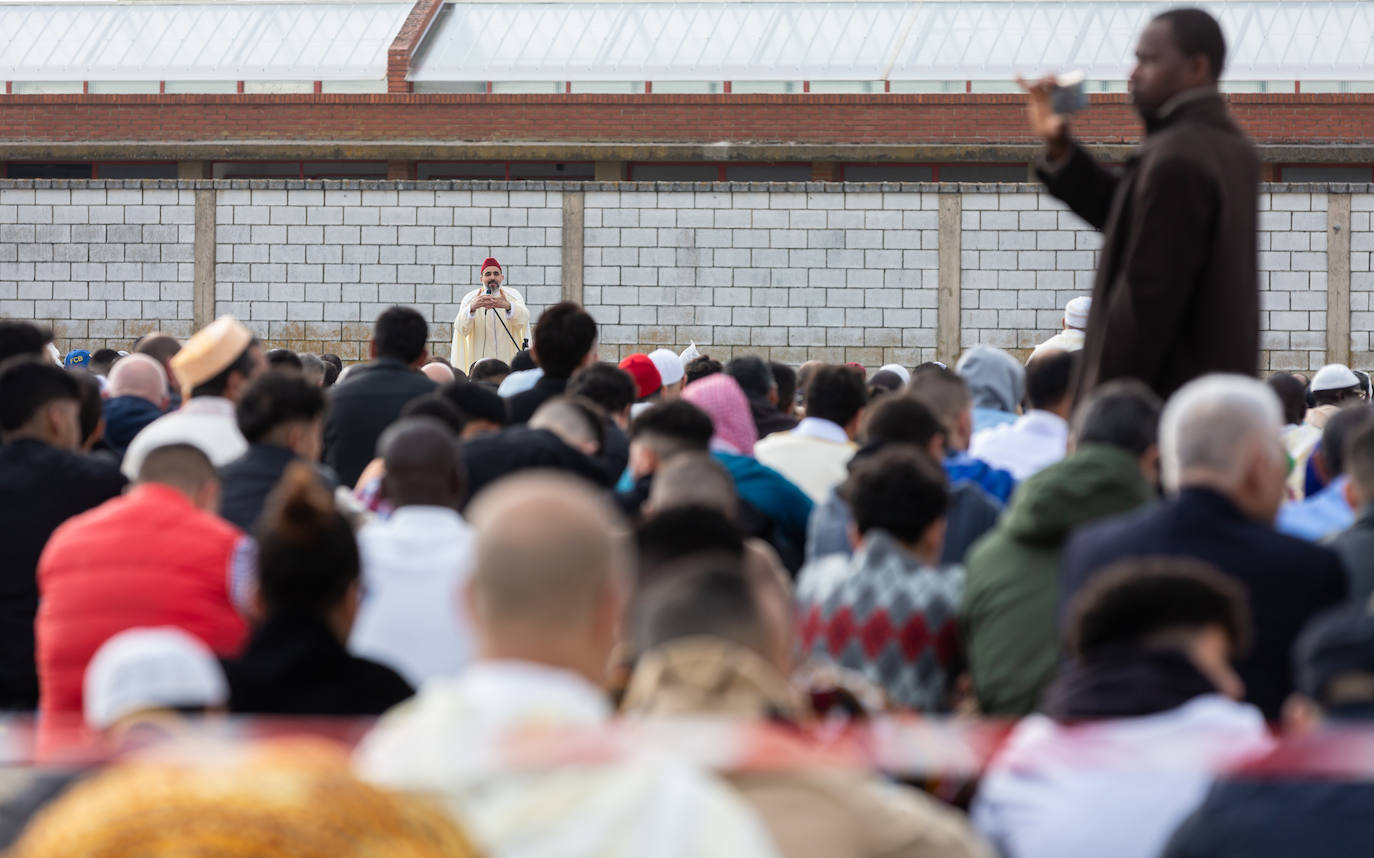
{"x": 970, "y": 120}
{"x": 793, "y": 271}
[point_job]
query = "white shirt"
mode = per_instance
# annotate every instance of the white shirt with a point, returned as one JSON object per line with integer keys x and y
{"x": 1032, "y": 443}
{"x": 1117, "y": 787}
{"x": 413, "y": 617}
{"x": 1067, "y": 340}
{"x": 206, "y": 422}
{"x": 815, "y": 455}
{"x": 447, "y": 743}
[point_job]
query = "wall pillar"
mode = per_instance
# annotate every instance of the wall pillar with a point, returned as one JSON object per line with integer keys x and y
{"x": 948, "y": 308}
{"x": 574, "y": 238}
{"x": 203, "y": 294}
{"x": 1338, "y": 278}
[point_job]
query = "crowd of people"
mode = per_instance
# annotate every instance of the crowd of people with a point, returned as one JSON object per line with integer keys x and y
{"x": 1151, "y": 591}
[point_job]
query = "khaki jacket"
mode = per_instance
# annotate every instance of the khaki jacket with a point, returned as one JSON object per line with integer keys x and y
{"x": 821, "y": 813}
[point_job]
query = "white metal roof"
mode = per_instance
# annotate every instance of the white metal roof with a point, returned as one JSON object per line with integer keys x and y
{"x": 198, "y": 41}
{"x": 872, "y": 40}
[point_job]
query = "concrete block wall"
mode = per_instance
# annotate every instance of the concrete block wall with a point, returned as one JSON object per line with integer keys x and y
{"x": 100, "y": 264}
{"x": 794, "y": 274}
{"x": 1362, "y": 279}
{"x": 1023, "y": 257}
{"x": 1293, "y": 280}
{"x": 307, "y": 267}
{"x": 840, "y": 272}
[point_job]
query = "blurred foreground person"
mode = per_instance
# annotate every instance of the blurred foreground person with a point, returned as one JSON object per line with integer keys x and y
{"x": 546, "y": 605}
{"x": 1223, "y": 462}
{"x": 307, "y": 590}
{"x": 287, "y": 798}
{"x": 1134, "y": 728}
{"x": 157, "y": 556}
{"x": 1269, "y": 810}
{"x": 708, "y": 634}
{"x": 43, "y": 482}
{"x": 144, "y": 678}
{"x": 1356, "y": 545}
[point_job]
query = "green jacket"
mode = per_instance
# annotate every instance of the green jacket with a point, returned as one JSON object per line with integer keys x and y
{"x": 1011, "y": 593}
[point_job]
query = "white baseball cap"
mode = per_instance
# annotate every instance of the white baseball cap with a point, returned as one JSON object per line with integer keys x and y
{"x": 668, "y": 364}
{"x": 151, "y": 668}
{"x": 1334, "y": 376}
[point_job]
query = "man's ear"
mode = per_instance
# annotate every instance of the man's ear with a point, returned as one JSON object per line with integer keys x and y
{"x": 372, "y": 350}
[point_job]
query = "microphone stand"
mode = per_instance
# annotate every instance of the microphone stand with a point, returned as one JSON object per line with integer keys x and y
{"x": 503, "y": 325}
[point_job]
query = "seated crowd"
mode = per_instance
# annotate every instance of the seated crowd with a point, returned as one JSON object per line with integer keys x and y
{"x": 1163, "y": 599}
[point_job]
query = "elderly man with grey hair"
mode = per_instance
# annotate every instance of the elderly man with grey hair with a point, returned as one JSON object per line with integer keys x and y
{"x": 1224, "y": 468}
{"x": 139, "y": 394}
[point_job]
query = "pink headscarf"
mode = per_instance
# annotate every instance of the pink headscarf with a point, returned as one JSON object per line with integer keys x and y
{"x": 720, "y": 396}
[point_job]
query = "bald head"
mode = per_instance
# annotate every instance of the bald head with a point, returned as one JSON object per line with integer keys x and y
{"x": 573, "y": 419}
{"x": 423, "y": 466}
{"x": 551, "y": 572}
{"x": 437, "y": 373}
{"x": 694, "y": 479}
{"x": 140, "y": 375}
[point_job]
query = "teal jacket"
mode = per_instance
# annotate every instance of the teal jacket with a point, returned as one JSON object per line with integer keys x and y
{"x": 1009, "y": 612}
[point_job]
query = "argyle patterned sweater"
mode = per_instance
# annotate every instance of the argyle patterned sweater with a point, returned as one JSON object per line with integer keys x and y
{"x": 888, "y": 616}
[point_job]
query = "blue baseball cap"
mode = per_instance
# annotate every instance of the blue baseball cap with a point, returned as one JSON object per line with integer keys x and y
{"x": 78, "y": 358}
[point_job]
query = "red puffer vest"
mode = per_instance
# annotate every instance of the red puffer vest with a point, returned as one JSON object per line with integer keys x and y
{"x": 149, "y": 558}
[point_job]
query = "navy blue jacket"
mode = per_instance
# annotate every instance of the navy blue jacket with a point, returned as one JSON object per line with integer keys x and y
{"x": 1288, "y": 580}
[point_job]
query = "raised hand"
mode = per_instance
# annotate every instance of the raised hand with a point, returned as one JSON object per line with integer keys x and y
{"x": 1049, "y": 126}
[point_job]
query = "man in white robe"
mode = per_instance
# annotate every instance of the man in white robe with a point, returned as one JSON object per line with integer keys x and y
{"x": 493, "y": 321}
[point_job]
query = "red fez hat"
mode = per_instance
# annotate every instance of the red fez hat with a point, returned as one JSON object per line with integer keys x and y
{"x": 642, "y": 370}
{"x": 489, "y": 262}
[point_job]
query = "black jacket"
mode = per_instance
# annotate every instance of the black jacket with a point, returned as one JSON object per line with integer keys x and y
{"x": 248, "y": 480}
{"x": 361, "y": 408}
{"x": 1260, "y": 813}
{"x": 768, "y": 419}
{"x": 1178, "y": 255}
{"x": 1288, "y": 580}
{"x": 40, "y": 488}
{"x": 295, "y": 665}
{"x": 522, "y": 406}
{"x": 490, "y": 457}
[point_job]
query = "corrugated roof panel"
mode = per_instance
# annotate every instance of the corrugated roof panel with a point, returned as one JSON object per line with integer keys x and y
{"x": 872, "y": 40}
{"x": 198, "y": 41}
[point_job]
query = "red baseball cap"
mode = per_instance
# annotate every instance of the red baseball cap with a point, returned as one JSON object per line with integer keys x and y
{"x": 642, "y": 370}
{"x": 489, "y": 262}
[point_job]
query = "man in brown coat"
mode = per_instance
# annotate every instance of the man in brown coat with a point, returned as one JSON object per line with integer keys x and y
{"x": 1177, "y": 293}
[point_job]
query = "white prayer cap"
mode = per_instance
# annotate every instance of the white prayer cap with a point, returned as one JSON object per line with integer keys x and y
{"x": 690, "y": 353}
{"x": 668, "y": 364}
{"x": 898, "y": 370}
{"x": 1076, "y": 312}
{"x": 1335, "y": 376}
{"x": 151, "y": 668}
{"x": 519, "y": 382}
